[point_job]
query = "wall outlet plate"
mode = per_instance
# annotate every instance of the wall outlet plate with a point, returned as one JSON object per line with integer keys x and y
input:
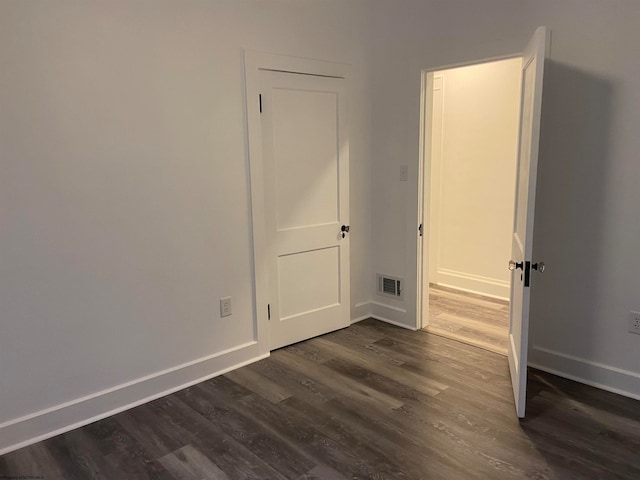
{"x": 225, "y": 306}
{"x": 634, "y": 322}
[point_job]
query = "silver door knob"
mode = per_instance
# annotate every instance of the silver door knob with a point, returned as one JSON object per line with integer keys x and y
{"x": 538, "y": 266}
{"x": 514, "y": 265}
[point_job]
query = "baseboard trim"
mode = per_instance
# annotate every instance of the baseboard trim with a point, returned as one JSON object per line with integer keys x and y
{"x": 391, "y": 314}
{"x": 388, "y": 307}
{"x": 380, "y": 311}
{"x": 393, "y": 322}
{"x": 469, "y": 282}
{"x": 606, "y": 377}
{"x": 360, "y": 311}
{"x": 359, "y": 319}
{"x": 38, "y": 426}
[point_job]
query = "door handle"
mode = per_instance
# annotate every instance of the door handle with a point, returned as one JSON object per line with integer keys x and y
{"x": 515, "y": 265}
{"x": 344, "y": 229}
{"x": 538, "y": 266}
{"x": 526, "y": 269}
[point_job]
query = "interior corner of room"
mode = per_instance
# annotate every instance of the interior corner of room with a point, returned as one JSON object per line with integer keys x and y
{"x": 157, "y": 228}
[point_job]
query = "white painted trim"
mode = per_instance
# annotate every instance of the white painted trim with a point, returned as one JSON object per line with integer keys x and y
{"x": 468, "y": 282}
{"x": 384, "y": 313}
{"x": 423, "y": 243}
{"x": 359, "y": 319}
{"x": 393, "y": 322}
{"x": 292, "y": 64}
{"x": 469, "y": 63}
{"x": 435, "y": 121}
{"x": 418, "y": 247}
{"x": 599, "y": 375}
{"x": 390, "y": 307}
{"x": 360, "y": 311}
{"x": 252, "y": 63}
{"x": 38, "y": 426}
{"x": 392, "y": 314}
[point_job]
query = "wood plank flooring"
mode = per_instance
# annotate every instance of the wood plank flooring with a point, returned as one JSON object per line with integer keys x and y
{"x": 372, "y": 401}
{"x": 470, "y": 318}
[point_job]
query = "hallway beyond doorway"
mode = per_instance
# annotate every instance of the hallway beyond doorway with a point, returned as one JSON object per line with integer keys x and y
{"x": 469, "y": 318}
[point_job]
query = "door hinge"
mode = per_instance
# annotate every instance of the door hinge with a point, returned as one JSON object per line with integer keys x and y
{"x": 268, "y": 311}
{"x": 420, "y": 230}
{"x": 260, "y": 100}
{"x": 527, "y": 273}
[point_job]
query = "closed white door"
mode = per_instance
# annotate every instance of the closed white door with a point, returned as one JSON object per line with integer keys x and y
{"x": 522, "y": 239}
{"x": 306, "y": 190}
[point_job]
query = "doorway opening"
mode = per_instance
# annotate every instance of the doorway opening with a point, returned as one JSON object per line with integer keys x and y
{"x": 470, "y": 154}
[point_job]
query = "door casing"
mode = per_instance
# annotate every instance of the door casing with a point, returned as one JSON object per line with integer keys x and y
{"x": 424, "y": 182}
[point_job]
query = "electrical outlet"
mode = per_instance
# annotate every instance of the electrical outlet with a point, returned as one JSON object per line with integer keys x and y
{"x": 225, "y": 307}
{"x": 634, "y": 322}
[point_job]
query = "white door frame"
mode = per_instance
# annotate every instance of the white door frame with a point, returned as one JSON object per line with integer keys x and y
{"x": 424, "y": 182}
{"x": 254, "y": 62}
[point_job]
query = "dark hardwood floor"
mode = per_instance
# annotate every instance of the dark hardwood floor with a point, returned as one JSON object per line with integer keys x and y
{"x": 371, "y": 401}
{"x": 468, "y": 317}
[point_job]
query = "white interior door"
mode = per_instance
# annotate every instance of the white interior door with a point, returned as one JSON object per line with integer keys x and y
{"x": 522, "y": 242}
{"x": 306, "y": 167}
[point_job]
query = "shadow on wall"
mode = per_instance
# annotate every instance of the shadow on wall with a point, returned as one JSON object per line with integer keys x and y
{"x": 569, "y": 222}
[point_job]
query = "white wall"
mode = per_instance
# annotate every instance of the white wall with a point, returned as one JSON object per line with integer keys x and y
{"x": 473, "y": 171}
{"x": 124, "y": 201}
{"x": 587, "y": 226}
{"x": 124, "y": 193}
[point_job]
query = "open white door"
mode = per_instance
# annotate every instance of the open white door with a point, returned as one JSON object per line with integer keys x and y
{"x": 522, "y": 246}
{"x": 306, "y": 194}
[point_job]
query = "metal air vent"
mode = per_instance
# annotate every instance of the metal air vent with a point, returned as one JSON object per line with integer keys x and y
{"x": 389, "y": 286}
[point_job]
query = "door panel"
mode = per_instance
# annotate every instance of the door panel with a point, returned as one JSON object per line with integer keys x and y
{"x": 305, "y": 155}
{"x": 307, "y": 281}
{"x": 522, "y": 241}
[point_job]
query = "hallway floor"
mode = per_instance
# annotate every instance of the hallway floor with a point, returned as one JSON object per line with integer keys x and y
{"x": 469, "y": 318}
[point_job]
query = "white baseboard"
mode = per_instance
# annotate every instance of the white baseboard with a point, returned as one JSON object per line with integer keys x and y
{"x": 469, "y": 282}
{"x": 380, "y": 311}
{"x": 605, "y": 377}
{"x": 360, "y": 318}
{"x": 360, "y": 311}
{"x": 392, "y": 322}
{"x": 390, "y": 314}
{"x": 38, "y": 426}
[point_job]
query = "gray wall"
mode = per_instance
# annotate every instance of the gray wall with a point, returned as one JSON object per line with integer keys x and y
{"x": 124, "y": 193}
{"x": 587, "y": 226}
{"x": 124, "y": 198}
